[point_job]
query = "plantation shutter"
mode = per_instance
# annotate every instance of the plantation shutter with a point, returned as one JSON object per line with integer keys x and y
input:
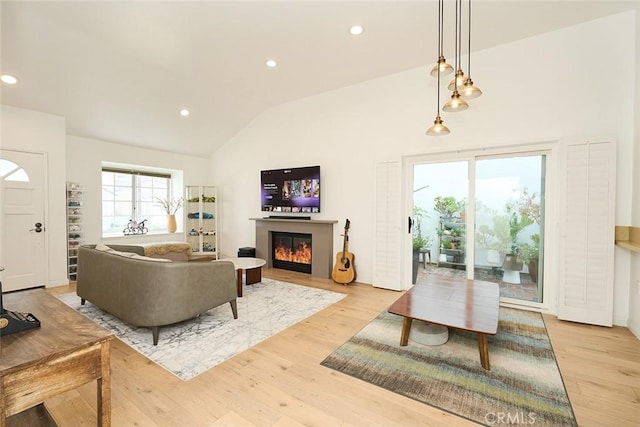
{"x": 387, "y": 271}
{"x": 588, "y": 226}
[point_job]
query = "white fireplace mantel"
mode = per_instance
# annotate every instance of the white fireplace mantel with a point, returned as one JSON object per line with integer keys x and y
{"x": 321, "y": 237}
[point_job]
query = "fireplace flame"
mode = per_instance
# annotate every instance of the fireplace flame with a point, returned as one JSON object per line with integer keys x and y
{"x": 301, "y": 254}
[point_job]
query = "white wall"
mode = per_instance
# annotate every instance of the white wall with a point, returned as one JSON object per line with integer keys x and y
{"x": 32, "y": 131}
{"x": 71, "y": 158}
{"x": 634, "y": 288}
{"x": 551, "y": 87}
{"x": 84, "y": 165}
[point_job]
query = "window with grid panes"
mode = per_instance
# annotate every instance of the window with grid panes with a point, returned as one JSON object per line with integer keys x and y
{"x": 133, "y": 195}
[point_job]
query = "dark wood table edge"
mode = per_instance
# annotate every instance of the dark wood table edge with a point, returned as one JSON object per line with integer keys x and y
{"x": 103, "y": 341}
{"x": 253, "y": 275}
{"x": 483, "y": 337}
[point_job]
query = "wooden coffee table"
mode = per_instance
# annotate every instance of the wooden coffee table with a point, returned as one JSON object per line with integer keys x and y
{"x": 67, "y": 351}
{"x": 252, "y": 268}
{"x": 470, "y": 305}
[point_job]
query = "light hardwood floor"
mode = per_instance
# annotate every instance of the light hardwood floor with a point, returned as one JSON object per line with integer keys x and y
{"x": 280, "y": 382}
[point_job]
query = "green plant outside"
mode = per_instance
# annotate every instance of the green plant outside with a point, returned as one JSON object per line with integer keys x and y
{"x": 446, "y": 206}
{"x": 497, "y": 236}
{"x": 503, "y": 234}
{"x": 517, "y": 223}
{"x": 529, "y": 251}
{"x": 419, "y": 241}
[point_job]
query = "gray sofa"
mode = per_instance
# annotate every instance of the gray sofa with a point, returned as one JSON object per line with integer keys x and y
{"x": 147, "y": 292}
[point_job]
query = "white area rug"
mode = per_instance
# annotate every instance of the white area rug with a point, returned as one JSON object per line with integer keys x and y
{"x": 189, "y": 348}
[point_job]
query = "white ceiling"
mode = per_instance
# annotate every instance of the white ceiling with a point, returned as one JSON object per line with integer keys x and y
{"x": 120, "y": 71}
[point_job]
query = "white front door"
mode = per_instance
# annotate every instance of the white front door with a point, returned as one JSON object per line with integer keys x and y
{"x": 22, "y": 246}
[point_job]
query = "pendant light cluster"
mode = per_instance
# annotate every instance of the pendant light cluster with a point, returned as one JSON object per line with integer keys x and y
{"x": 462, "y": 87}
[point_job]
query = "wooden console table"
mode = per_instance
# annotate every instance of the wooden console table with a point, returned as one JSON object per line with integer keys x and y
{"x": 67, "y": 351}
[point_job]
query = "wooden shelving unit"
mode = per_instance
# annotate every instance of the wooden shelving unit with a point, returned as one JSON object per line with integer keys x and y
{"x": 201, "y": 218}
{"x": 628, "y": 237}
{"x": 75, "y": 227}
{"x": 451, "y": 240}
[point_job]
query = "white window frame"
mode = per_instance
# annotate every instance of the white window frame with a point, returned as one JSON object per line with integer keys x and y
{"x": 156, "y": 221}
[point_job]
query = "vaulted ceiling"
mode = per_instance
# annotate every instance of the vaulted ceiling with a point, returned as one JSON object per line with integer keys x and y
{"x": 121, "y": 71}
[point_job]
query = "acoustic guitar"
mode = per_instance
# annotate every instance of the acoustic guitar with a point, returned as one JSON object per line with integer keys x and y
{"x": 344, "y": 272}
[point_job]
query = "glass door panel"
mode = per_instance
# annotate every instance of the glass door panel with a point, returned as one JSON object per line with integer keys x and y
{"x": 509, "y": 224}
{"x": 440, "y": 194}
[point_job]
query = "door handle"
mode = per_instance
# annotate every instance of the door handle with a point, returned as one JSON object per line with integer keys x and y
{"x": 410, "y": 224}
{"x": 39, "y": 228}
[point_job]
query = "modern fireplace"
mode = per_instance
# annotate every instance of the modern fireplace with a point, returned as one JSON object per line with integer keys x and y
{"x": 321, "y": 231}
{"x": 291, "y": 251}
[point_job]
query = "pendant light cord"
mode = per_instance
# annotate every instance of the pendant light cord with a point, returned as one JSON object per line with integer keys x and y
{"x": 455, "y": 54}
{"x": 440, "y": 23}
{"x": 460, "y": 35}
{"x": 469, "y": 52}
{"x": 440, "y": 14}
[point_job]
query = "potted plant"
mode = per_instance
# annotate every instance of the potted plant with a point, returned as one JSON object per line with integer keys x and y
{"x": 516, "y": 225}
{"x": 445, "y": 206}
{"x": 522, "y": 213}
{"x": 529, "y": 254}
{"x": 419, "y": 241}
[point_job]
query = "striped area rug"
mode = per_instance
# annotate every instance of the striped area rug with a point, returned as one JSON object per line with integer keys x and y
{"x": 524, "y": 385}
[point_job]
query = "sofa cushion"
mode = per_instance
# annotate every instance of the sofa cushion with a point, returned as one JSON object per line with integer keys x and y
{"x": 148, "y": 258}
{"x": 175, "y": 251}
{"x": 132, "y": 255}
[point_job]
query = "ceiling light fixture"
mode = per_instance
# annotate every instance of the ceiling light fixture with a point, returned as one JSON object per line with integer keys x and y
{"x": 469, "y": 91}
{"x": 356, "y": 30}
{"x": 184, "y": 112}
{"x": 456, "y": 103}
{"x": 441, "y": 66}
{"x": 438, "y": 128}
{"x": 9, "y": 79}
{"x": 271, "y": 63}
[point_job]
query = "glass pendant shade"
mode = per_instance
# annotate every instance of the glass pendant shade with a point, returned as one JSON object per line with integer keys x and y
{"x": 455, "y": 104}
{"x": 469, "y": 91}
{"x": 438, "y": 128}
{"x": 458, "y": 82}
{"x": 444, "y": 67}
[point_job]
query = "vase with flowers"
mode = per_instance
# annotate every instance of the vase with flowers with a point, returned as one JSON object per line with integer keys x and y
{"x": 171, "y": 206}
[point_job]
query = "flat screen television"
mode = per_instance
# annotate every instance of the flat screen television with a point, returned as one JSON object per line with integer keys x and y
{"x": 292, "y": 190}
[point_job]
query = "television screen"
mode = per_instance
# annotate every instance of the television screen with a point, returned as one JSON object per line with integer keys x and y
{"x": 293, "y": 190}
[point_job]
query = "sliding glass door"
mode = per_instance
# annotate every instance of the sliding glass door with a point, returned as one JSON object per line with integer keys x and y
{"x": 509, "y": 223}
{"x": 500, "y": 239}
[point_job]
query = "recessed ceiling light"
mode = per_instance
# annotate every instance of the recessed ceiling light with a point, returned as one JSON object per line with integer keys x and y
{"x": 271, "y": 63}
{"x": 356, "y": 30}
{"x": 9, "y": 79}
{"x": 184, "y": 112}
